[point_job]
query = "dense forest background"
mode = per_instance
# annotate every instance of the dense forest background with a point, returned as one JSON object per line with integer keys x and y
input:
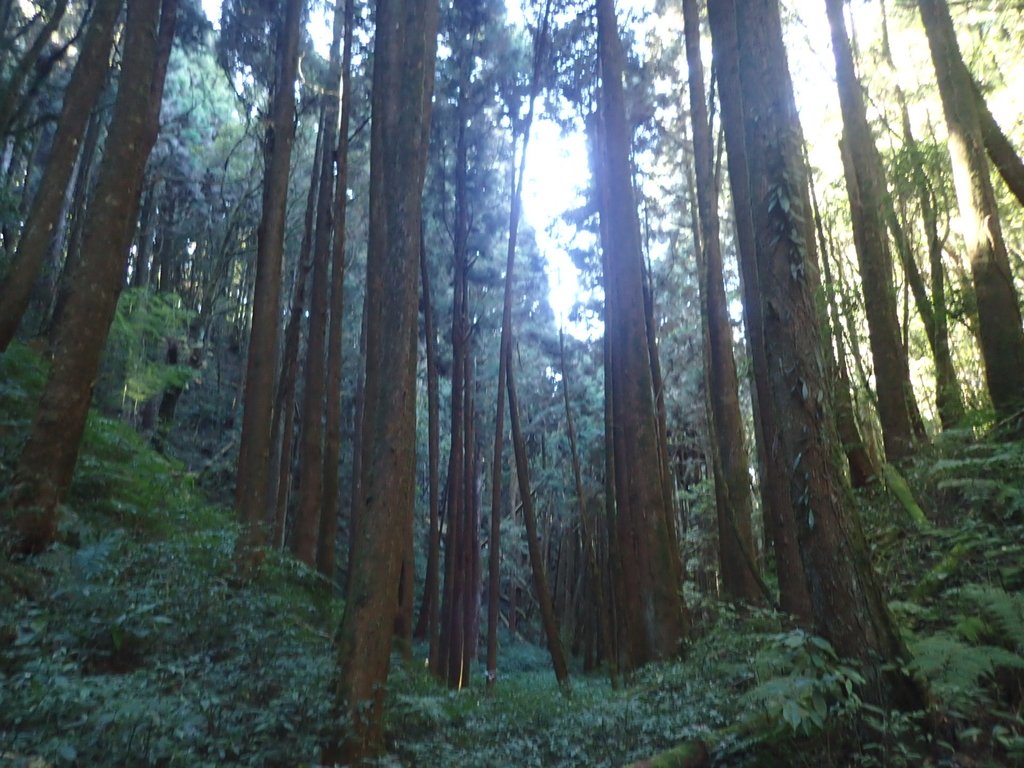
{"x": 498, "y": 383}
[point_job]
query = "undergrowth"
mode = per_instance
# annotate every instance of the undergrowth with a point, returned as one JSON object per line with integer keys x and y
{"x": 134, "y": 641}
{"x": 138, "y": 644}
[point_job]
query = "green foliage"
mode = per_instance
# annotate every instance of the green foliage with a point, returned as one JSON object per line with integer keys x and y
{"x": 148, "y": 653}
{"x": 137, "y": 643}
{"x": 145, "y": 321}
{"x": 803, "y": 683}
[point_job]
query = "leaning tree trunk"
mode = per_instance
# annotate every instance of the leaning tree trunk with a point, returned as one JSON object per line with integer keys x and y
{"x": 862, "y": 468}
{"x": 847, "y": 601}
{"x": 1000, "y": 151}
{"x": 86, "y": 82}
{"x": 865, "y": 183}
{"x": 43, "y": 475}
{"x": 261, "y": 364}
{"x": 504, "y": 351}
{"x": 540, "y": 579}
{"x": 1002, "y": 338}
{"x": 403, "y": 77}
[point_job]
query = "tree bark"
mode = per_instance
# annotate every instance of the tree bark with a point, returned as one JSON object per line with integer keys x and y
{"x": 653, "y": 617}
{"x": 306, "y": 530}
{"x": 403, "y": 77}
{"x": 262, "y": 360}
{"x": 79, "y": 99}
{"x": 847, "y": 601}
{"x": 779, "y": 517}
{"x": 44, "y": 470}
{"x": 1002, "y": 337}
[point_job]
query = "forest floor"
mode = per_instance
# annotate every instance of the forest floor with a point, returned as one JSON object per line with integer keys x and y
{"x": 134, "y": 641}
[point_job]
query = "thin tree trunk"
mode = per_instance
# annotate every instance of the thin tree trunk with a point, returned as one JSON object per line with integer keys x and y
{"x": 452, "y": 607}
{"x": 79, "y": 213}
{"x": 44, "y": 470}
{"x": 306, "y": 527}
{"x": 79, "y": 99}
{"x": 282, "y": 430}
{"x": 504, "y": 352}
{"x": 430, "y": 611}
{"x": 471, "y": 529}
{"x": 326, "y": 554}
{"x": 540, "y": 579}
{"x": 12, "y": 92}
{"x": 862, "y": 469}
{"x": 740, "y": 578}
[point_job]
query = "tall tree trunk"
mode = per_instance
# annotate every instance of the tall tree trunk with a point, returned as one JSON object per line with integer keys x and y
{"x": 779, "y": 516}
{"x": 79, "y": 99}
{"x": 357, "y": 436}
{"x": 282, "y": 431}
{"x": 261, "y": 364}
{"x": 740, "y": 578}
{"x": 862, "y": 468}
{"x": 847, "y": 601}
{"x": 865, "y": 183}
{"x": 1002, "y": 338}
{"x": 454, "y": 573}
{"x": 44, "y": 470}
{"x": 428, "y": 625}
{"x": 653, "y": 620}
{"x": 326, "y": 556}
{"x": 403, "y": 77}
{"x": 540, "y": 579}
{"x": 471, "y": 529}
{"x": 504, "y": 352}
{"x": 306, "y": 531}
